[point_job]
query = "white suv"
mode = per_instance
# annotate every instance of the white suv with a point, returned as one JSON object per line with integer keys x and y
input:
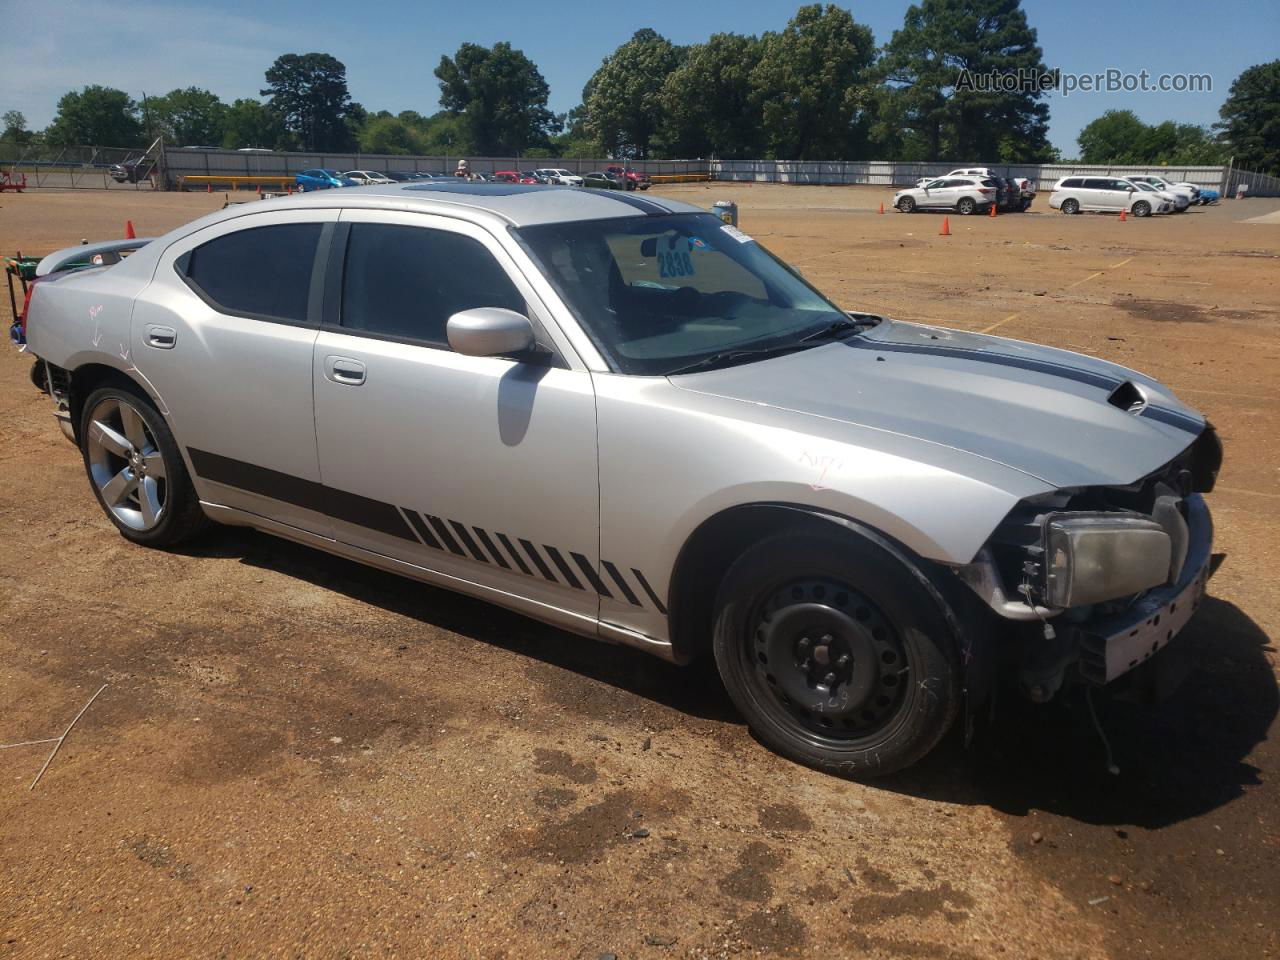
{"x": 1108, "y": 195}
{"x": 561, "y": 176}
{"x": 961, "y": 194}
{"x": 1183, "y": 194}
{"x": 966, "y": 172}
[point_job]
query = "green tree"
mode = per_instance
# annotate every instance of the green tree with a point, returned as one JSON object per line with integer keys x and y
{"x": 308, "y": 92}
{"x": 500, "y": 95}
{"x": 97, "y": 116}
{"x": 623, "y": 97}
{"x": 15, "y": 127}
{"x": 1112, "y": 138}
{"x": 390, "y": 135}
{"x": 812, "y": 85}
{"x": 1250, "y": 122}
{"x": 192, "y": 116}
{"x": 938, "y": 69}
{"x": 707, "y": 102}
{"x": 251, "y": 123}
{"x": 447, "y": 134}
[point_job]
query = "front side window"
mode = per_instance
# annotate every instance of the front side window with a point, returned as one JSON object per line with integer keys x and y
{"x": 261, "y": 272}
{"x": 658, "y": 294}
{"x": 406, "y": 282}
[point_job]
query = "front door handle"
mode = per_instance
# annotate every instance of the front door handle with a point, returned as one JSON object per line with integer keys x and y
{"x": 344, "y": 370}
{"x": 162, "y": 338}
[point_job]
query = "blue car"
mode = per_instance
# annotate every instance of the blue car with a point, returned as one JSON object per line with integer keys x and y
{"x": 1207, "y": 196}
{"x": 321, "y": 180}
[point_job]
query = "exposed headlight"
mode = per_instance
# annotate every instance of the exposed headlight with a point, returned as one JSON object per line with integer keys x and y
{"x": 1096, "y": 557}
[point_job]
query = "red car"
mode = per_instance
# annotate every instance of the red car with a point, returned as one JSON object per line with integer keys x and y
{"x": 512, "y": 176}
{"x": 633, "y": 180}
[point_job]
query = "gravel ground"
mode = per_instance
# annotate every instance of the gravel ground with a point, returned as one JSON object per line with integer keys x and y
{"x": 297, "y": 756}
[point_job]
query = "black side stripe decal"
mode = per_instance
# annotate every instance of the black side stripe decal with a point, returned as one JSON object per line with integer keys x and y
{"x": 511, "y": 549}
{"x": 467, "y": 542}
{"x": 622, "y": 583}
{"x": 569, "y": 576}
{"x": 661, "y": 607}
{"x": 445, "y": 535}
{"x": 493, "y": 551}
{"x": 592, "y": 577}
{"x": 428, "y": 529}
{"x": 424, "y": 532}
{"x": 308, "y": 494}
{"x": 541, "y": 564}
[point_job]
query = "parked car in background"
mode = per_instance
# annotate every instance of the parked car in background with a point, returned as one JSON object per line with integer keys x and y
{"x": 1208, "y": 196}
{"x": 603, "y": 181}
{"x": 513, "y": 176}
{"x": 399, "y": 176}
{"x": 131, "y": 169}
{"x": 366, "y": 177}
{"x": 962, "y": 172}
{"x": 320, "y": 179}
{"x": 861, "y": 523}
{"x": 632, "y": 179}
{"x": 964, "y": 195}
{"x": 1183, "y": 194}
{"x": 1106, "y": 195}
{"x": 561, "y": 176}
{"x": 536, "y": 176}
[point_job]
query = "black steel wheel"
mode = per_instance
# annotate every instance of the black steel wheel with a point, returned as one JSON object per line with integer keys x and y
{"x": 837, "y": 651}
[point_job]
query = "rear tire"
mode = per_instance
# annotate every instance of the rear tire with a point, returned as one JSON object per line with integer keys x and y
{"x": 907, "y": 205}
{"x": 1070, "y": 206}
{"x": 966, "y": 206}
{"x": 136, "y": 470}
{"x": 1142, "y": 209}
{"x": 837, "y": 652}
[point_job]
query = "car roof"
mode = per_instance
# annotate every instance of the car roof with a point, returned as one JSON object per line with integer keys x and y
{"x": 518, "y": 205}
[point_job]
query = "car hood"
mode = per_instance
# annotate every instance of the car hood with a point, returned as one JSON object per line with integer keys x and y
{"x": 1064, "y": 418}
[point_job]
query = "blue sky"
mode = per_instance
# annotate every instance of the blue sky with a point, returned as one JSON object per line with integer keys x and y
{"x": 391, "y": 47}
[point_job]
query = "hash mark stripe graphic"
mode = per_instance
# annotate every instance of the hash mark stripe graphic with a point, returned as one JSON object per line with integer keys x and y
{"x": 592, "y": 577}
{"x": 515, "y": 555}
{"x": 622, "y": 583}
{"x": 493, "y": 551}
{"x": 569, "y": 576}
{"x": 467, "y": 542}
{"x": 445, "y": 535}
{"x": 536, "y": 557}
{"x": 424, "y": 532}
{"x": 662, "y": 607}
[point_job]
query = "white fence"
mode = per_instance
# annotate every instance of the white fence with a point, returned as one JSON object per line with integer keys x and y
{"x": 891, "y": 174}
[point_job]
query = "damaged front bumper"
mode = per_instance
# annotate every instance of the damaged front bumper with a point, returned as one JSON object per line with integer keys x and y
{"x": 1112, "y": 646}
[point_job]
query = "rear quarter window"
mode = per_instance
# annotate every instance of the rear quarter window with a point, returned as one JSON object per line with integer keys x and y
{"x": 260, "y": 272}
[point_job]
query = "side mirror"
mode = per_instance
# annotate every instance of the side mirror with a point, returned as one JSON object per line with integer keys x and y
{"x": 649, "y": 247}
{"x": 1133, "y": 189}
{"x": 490, "y": 332}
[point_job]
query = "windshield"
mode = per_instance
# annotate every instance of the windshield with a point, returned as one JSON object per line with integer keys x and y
{"x": 1144, "y": 186}
{"x": 658, "y": 294}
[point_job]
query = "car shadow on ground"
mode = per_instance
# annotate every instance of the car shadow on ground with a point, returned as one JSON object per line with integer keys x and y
{"x": 693, "y": 690}
{"x": 1178, "y": 759}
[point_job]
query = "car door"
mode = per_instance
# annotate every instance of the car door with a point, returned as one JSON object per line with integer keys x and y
{"x": 482, "y": 469}
{"x": 224, "y": 334}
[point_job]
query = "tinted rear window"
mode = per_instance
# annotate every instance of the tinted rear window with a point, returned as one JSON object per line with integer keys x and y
{"x": 259, "y": 272}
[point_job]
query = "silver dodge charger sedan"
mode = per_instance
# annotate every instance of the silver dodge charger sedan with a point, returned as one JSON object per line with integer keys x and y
{"x": 626, "y": 418}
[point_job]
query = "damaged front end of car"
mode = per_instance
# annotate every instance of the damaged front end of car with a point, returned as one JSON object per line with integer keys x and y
{"x": 1090, "y": 583}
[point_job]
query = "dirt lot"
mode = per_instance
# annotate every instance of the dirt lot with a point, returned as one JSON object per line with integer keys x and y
{"x": 296, "y": 756}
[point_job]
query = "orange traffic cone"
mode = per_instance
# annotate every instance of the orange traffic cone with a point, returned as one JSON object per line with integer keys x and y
{"x": 208, "y": 188}
{"x": 992, "y": 214}
{"x": 128, "y": 231}
{"x": 1122, "y": 216}
{"x": 882, "y": 208}
{"x": 946, "y": 227}
{"x": 259, "y": 189}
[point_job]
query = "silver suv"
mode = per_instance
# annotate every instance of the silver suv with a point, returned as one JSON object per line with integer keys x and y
{"x": 626, "y": 418}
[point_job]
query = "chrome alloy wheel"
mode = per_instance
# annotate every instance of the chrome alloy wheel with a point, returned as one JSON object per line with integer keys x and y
{"x": 126, "y": 465}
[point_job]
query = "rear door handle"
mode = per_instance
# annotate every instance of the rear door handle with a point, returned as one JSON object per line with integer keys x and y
{"x": 162, "y": 338}
{"x": 344, "y": 370}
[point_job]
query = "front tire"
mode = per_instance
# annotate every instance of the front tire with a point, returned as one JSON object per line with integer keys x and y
{"x": 966, "y": 206}
{"x": 907, "y": 205}
{"x": 1142, "y": 209}
{"x": 837, "y": 652}
{"x": 1070, "y": 206}
{"x": 135, "y": 469}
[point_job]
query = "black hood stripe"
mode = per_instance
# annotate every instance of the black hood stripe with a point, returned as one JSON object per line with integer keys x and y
{"x": 1048, "y": 367}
